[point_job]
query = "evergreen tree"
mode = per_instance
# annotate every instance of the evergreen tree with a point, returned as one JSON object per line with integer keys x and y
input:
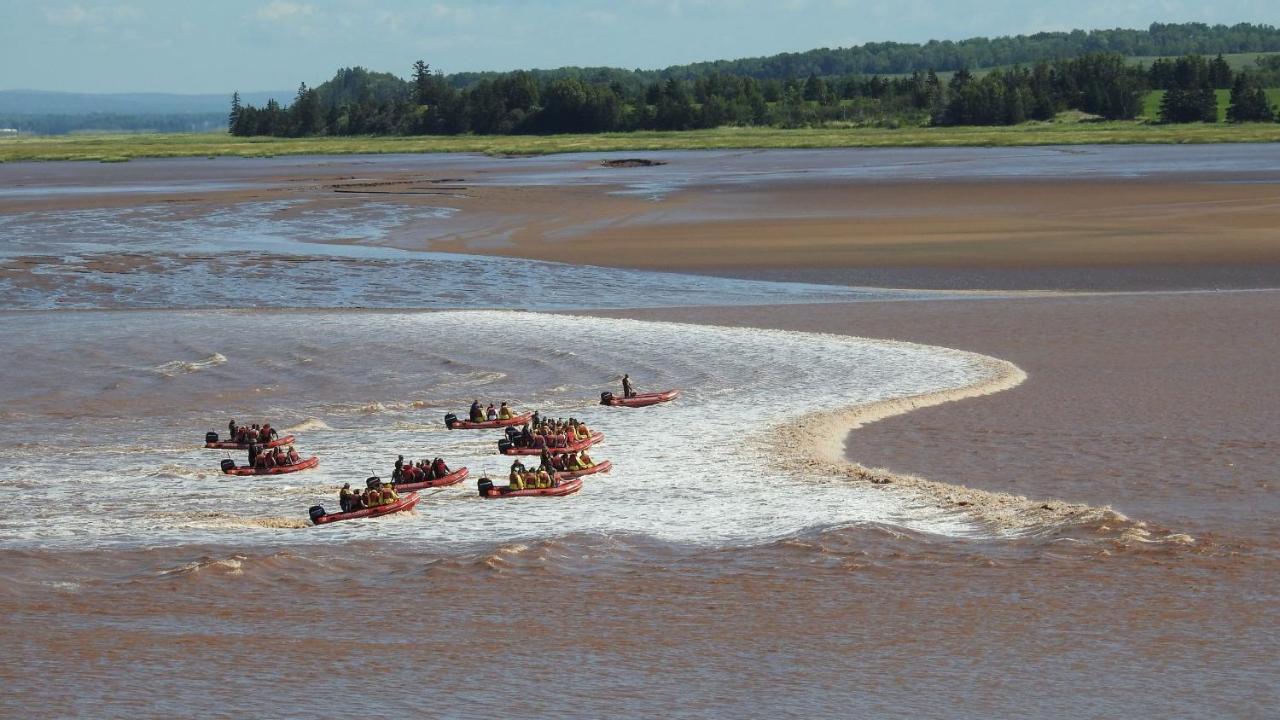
{"x": 1249, "y": 102}
{"x": 1219, "y": 73}
{"x": 815, "y": 90}
{"x": 304, "y": 114}
{"x": 234, "y": 116}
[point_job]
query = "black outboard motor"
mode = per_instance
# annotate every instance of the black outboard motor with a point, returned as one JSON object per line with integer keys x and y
{"x": 211, "y": 437}
{"x": 373, "y": 483}
{"x": 228, "y": 465}
{"x": 316, "y": 512}
{"x": 449, "y": 420}
{"x": 504, "y": 445}
{"x": 606, "y": 398}
{"x": 485, "y": 485}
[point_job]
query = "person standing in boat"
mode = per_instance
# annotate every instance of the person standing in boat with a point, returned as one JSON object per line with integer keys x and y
{"x": 231, "y": 430}
{"x": 627, "y": 390}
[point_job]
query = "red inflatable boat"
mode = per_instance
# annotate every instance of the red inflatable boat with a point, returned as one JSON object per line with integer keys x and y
{"x": 229, "y": 467}
{"x": 452, "y": 422}
{"x": 406, "y": 502}
{"x": 603, "y": 466}
{"x": 506, "y": 448}
{"x": 568, "y": 487}
{"x": 452, "y": 478}
{"x": 233, "y": 445}
{"x": 638, "y": 400}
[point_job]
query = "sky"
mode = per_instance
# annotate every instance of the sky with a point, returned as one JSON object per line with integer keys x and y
{"x": 246, "y": 45}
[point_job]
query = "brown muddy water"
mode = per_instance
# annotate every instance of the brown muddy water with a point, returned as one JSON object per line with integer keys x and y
{"x": 721, "y": 570}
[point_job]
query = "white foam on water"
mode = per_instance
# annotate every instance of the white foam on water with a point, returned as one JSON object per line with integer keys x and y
{"x": 693, "y": 471}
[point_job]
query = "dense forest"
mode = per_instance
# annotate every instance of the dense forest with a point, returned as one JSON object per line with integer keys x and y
{"x": 1042, "y": 75}
{"x": 890, "y": 58}
{"x": 1108, "y": 86}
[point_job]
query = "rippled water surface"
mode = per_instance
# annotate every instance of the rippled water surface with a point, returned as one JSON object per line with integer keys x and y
{"x": 362, "y": 387}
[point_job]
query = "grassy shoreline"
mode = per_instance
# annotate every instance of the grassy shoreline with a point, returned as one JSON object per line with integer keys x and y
{"x": 123, "y": 147}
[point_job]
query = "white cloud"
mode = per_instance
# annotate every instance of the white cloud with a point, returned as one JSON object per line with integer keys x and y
{"x": 94, "y": 16}
{"x": 278, "y": 10}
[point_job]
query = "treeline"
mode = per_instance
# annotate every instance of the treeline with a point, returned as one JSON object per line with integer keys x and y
{"x": 62, "y": 124}
{"x": 890, "y": 58}
{"x": 1106, "y": 85}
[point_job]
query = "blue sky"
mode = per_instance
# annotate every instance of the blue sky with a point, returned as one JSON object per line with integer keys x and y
{"x": 179, "y": 46}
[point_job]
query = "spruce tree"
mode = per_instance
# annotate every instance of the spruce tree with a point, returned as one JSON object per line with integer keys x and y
{"x": 1219, "y": 73}
{"x": 1248, "y": 102}
{"x": 234, "y": 116}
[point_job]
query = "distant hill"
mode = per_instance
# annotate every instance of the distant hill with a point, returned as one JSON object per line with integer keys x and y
{"x": 41, "y": 102}
{"x": 893, "y": 58}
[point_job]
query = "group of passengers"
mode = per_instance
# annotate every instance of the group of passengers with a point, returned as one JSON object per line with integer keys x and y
{"x": 250, "y": 434}
{"x": 523, "y": 478}
{"x": 407, "y": 471}
{"x": 549, "y": 433}
{"x": 272, "y": 457}
{"x": 480, "y": 414}
{"x": 371, "y": 497}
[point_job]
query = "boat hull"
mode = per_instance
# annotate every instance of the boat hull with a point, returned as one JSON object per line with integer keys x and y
{"x": 280, "y": 470}
{"x": 642, "y": 399}
{"x": 452, "y": 478}
{"x": 404, "y": 503}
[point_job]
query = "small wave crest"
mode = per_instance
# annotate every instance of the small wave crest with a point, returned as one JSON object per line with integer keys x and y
{"x": 230, "y": 521}
{"x": 310, "y": 424}
{"x": 233, "y": 566}
{"x": 174, "y": 368}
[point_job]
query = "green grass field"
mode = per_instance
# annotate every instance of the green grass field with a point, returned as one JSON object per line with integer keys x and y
{"x": 1151, "y": 103}
{"x": 118, "y": 148}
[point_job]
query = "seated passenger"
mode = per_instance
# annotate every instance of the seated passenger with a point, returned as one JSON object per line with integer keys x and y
{"x": 544, "y": 479}
{"x": 585, "y": 460}
{"x": 491, "y": 413}
{"x": 557, "y": 462}
{"x": 294, "y": 457}
{"x": 517, "y": 482}
{"x": 279, "y": 457}
{"x": 439, "y": 469}
{"x": 571, "y": 463}
{"x": 344, "y": 497}
{"x": 268, "y": 460}
{"x": 504, "y": 412}
{"x": 526, "y": 436}
{"x": 477, "y": 413}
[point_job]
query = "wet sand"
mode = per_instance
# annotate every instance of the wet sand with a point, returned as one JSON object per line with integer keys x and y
{"x": 1078, "y": 219}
